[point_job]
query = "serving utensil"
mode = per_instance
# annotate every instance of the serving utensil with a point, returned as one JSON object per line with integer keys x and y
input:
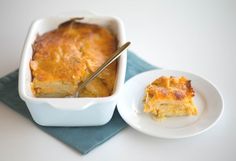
{"x": 117, "y": 53}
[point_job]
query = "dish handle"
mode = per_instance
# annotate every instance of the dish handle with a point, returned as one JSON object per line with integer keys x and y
{"x": 68, "y": 104}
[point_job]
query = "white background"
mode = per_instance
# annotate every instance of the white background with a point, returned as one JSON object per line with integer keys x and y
{"x": 197, "y": 36}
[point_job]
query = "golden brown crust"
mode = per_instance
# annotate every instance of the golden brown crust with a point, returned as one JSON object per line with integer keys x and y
{"x": 66, "y": 56}
{"x": 171, "y": 88}
{"x": 169, "y": 96}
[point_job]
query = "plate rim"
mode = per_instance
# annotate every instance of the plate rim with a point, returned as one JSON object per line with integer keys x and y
{"x": 174, "y": 136}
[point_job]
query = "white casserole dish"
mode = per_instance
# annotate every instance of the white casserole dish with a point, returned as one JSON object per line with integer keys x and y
{"x": 70, "y": 111}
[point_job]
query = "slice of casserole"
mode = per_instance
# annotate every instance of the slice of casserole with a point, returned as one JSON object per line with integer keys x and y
{"x": 169, "y": 96}
{"x": 66, "y": 56}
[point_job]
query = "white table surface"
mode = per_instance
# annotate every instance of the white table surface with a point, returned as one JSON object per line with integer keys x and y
{"x": 197, "y": 36}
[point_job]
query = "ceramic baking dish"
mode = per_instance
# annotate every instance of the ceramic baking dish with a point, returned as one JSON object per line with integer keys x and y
{"x": 70, "y": 111}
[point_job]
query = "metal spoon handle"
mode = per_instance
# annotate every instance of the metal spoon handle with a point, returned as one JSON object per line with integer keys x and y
{"x": 117, "y": 53}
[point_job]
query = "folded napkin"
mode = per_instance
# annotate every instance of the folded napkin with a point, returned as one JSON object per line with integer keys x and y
{"x": 83, "y": 139}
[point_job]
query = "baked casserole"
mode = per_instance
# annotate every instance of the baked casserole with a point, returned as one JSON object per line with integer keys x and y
{"x": 65, "y": 57}
{"x": 169, "y": 96}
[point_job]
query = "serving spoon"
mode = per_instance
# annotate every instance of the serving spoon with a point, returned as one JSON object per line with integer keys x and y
{"x": 117, "y": 53}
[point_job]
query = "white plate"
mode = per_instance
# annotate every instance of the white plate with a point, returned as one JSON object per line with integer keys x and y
{"x": 207, "y": 98}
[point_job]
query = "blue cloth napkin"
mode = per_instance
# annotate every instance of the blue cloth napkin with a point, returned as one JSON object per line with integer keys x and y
{"x": 83, "y": 139}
